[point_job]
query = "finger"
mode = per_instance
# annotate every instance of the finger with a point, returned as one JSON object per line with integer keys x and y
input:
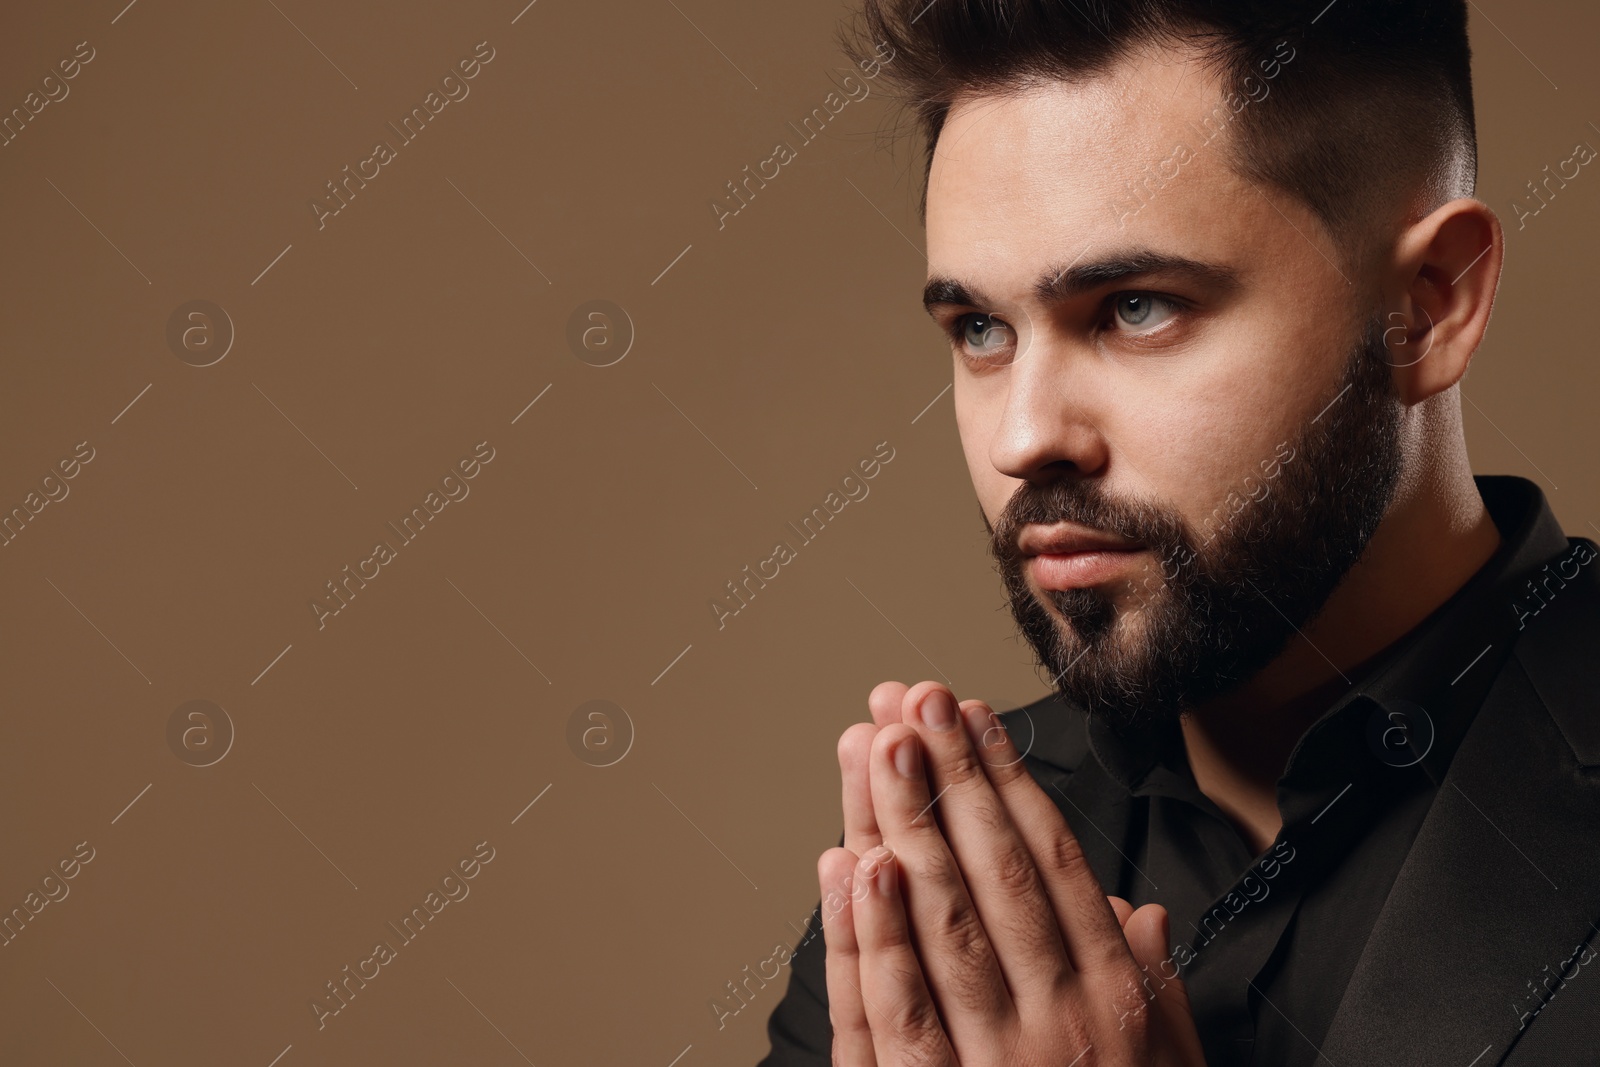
{"x": 1123, "y": 910}
{"x": 860, "y": 825}
{"x": 995, "y": 861}
{"x": 1087, "y": 920}
{"x": 852, "y": 1033}
{"x": 884, "y": 702}
{"x": 957, "y": 954}
{"x": 1149, "y": 935}
{"x": 905, "y": 1023}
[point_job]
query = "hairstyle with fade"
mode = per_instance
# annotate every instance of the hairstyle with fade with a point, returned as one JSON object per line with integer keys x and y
{"x": 1372, "y": 117}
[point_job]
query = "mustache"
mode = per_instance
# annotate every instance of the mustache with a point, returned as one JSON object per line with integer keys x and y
{"x": 1084, "y": 503}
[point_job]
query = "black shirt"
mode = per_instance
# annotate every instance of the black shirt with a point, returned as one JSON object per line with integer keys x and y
{"x": 1267, "y": 944}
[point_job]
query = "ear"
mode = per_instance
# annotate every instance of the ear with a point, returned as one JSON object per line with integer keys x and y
{"x": 1446, "y": 271}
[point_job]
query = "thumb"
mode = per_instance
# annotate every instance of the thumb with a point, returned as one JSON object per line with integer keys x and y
{"x": 1149, "y": 934}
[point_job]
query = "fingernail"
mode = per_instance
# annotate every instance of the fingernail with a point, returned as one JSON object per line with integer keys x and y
{"x": 907, "y": 760}
{"x": 879, "y": 868}
{"x": 938, "y": 710}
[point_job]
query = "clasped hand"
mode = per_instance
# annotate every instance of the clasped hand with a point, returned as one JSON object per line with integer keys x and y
{"x": 962, "y": 921}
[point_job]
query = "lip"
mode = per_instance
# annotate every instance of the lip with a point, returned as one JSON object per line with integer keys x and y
{"x": 1065, "y": 539}
{"x": 1067, "y": 556}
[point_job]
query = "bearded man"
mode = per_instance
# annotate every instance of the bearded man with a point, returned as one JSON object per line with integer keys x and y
{"x": 1317, "y": 781}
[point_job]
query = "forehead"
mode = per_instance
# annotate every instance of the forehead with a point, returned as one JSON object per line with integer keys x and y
{"x": 1022, "y": 179}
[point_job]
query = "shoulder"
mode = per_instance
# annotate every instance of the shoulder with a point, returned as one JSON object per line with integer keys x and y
{"x": 1557, "y": 647}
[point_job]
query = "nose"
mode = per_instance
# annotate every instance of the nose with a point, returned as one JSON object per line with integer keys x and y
{"x": 1049, "y": 423}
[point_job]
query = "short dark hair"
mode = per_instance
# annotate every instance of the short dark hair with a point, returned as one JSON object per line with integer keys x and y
{"x": 1375, "y": 105}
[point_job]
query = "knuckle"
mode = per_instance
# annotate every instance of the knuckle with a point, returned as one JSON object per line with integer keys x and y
{"x": 967, "y": 961}
{"x": 1132, "y": 1010}
{"x": 931, "y": 873}
{"x": 927, "y": 1051}
{"x": 1013, "y": 871}
{"x": 1005, "y": 768}
{"x": 1098, "y": 951}
{"x": 846, "y": 955}
{"x": 1076, "y": 1030}
{"x": 915, "y": 1021}
{"x": 989, "y": 812}
{"x": 1042, "y": 951}
{"x": 843, "y": 1021}
{"x": 962, "y": 770}
{"x": 1065, "y": 855}
{"x": 960, "y": 932}
{"x": 1129, "y": 1004}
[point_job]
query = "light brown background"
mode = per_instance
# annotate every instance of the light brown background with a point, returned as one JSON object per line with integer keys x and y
{"x": 415, "y": 325}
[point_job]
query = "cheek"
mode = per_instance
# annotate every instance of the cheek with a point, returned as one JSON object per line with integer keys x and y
{"x": 1193, "y": 441}
{"x": 977, "y": 416}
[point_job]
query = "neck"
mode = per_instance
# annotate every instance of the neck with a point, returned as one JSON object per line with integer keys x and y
{"x": 1435, "y": 536}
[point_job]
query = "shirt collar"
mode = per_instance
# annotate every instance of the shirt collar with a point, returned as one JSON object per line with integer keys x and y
{"x": 1442, "y": 668}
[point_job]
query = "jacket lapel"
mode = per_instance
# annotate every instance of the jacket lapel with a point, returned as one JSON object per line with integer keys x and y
{"x": 1503, "y": 880}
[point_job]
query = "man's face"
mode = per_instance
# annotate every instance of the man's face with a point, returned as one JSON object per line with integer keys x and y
{"x": 1162, "y": 359}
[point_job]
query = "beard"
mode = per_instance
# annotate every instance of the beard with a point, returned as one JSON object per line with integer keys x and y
{"x": 1223, "y": 602}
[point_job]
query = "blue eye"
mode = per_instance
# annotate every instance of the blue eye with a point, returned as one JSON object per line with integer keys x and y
{"x": 1143, "y": 311}
{"x": 980, "y": 336}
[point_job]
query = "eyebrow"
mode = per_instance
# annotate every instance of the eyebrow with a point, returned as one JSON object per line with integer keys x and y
{"x": 1061, "y": 283}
